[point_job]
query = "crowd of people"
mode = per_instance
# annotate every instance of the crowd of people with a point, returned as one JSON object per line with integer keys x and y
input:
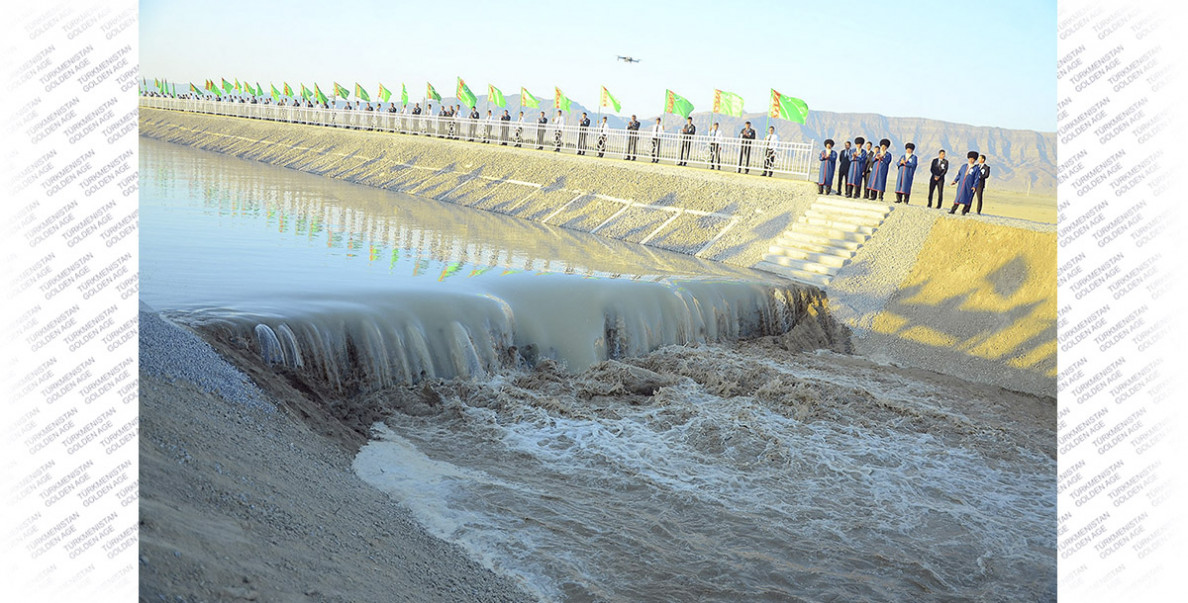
{"x": 863, "y": 171}
{"x": 859, "y": 167}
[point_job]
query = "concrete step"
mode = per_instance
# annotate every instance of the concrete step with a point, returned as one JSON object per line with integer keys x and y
{"x": 818, "y": 239}
{"x": 805, "y": 265}
{"x": 843, "y": 215}
{"x": 867, "y": 214}
{"x": 811, "y": 278}
{"x": 801, "y": 254}
{"x": 854, "y": 203}
{"x": 833, "y": 233}
{"x": 823, "y": 248}
{"x": 835, "y": 222}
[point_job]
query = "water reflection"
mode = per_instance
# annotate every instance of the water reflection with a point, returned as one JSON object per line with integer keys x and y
{"x": 202, "y": 209}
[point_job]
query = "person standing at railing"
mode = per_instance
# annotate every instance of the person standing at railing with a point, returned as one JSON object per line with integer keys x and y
{"x": 559, "y": 122}
{"x": 520, "y": 130}
{"x": 490, "y": 121}
{"x": 632, "y": 138}
{"x": 857, "y": 168}
{"x": 880, "y": 168}
{"x": 541, "y": 122}
{"x": 583, "y": 129}
{"x": 603, "y": 134}
{"x": 687, "y": 133}
{"x": 715, "y": 148}
{"x": 506, "y": 119}
{"x": 657, "y": 133}
{"x": 825, "y": 172}
{"x": 843, "y": 167}
{"x": 474, "y": 117}
{"x": 747, "y": 134}
{"x": 771, "y": 143}
{"x": 907, "y": 173}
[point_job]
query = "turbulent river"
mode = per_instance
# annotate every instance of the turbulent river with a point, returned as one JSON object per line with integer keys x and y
{"x": 603, "y": 421}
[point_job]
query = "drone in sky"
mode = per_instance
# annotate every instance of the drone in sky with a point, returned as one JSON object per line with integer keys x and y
{"x": 628, "y": 59}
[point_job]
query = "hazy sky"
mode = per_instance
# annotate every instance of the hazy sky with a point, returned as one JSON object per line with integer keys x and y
{"x": 989, "y": 64}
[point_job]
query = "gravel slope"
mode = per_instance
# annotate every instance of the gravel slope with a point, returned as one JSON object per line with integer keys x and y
{"x": 240, "y": 501}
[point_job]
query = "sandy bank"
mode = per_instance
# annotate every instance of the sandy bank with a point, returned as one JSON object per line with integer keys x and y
{"x": 240, "y": 500}
{"x": 969, "y": 297}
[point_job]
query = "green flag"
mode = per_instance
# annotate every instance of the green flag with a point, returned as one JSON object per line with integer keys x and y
{"x": 787, "y": 107}
{"x": 495, "y": 95}
{"x": 226, "y": 85}
{"x": 275, "y": 93}
{"x": 361, "y": 93}
{"x": 431, "y": 92}
{"x": 608, "y": 100}
{"x": 340, "y": 90}
{"x": 248, "y": 89}
{"x": 195, "y": 89}
{"x": 384, "y": 93}
{"x": 465, "y": 96}
{"x": 306, "y": 93}
{"x": 259, "y": 89}
{"x": 527, "y": 99}
{"x": 728, "y": 103}
{"x": 560, "y": 101}
{"x": 319, "y": 96}
{"x": 403, "y": 94}
{"x": 675, "y": 103}
{"x": 288, "y": 90}
{"x": 238, "y": 88}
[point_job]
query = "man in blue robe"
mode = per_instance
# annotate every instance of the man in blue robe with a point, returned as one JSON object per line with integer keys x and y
{"x": 828, "y": 166}
{"x": 857, "y": 167}
{"x": 907, "y": 171}
{"x": 879, "y": 169}
{"x": 967, "y": 183}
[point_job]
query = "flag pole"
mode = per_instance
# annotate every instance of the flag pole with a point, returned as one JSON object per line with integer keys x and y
{"x": 600, "y": 99}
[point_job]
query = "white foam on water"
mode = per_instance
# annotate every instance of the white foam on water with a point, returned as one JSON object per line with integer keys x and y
{"x": 696, "y": 496}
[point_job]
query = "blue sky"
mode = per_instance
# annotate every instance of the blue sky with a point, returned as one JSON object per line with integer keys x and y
{"x": 989, "y": 64}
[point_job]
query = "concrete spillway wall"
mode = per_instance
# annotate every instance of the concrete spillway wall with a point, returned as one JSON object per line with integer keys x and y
{"x": 714, "y": 215}
{"x": 969, "y": 297}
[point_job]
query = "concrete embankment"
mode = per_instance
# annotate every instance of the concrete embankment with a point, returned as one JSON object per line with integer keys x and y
{"x": 714, "y": 215}
{"x": 973, "y": 297}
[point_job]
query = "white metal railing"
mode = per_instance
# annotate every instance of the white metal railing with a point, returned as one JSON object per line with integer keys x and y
{"x": 793, "y": 158}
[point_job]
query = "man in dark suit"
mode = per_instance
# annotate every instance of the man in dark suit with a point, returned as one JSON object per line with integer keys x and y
{"x": 632, "y": 138}
{"x": 940, "y": 167}
{"x": 843, "y": 168}
{"x": 687, "y": 133}
{"x": 985, "y": 169}
{"x": 747, "y": 135}
{"x": 540, "y": 130}
{"x": 584, "y": 124}
{"x": 870, "y": 158}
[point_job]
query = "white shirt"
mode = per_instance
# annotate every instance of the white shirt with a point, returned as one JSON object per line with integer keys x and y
{"x": 716, "y": 136}
{"x": 605, "y": 128}
{"x": 771, "y": 140}
{"x": 657, "y": 130}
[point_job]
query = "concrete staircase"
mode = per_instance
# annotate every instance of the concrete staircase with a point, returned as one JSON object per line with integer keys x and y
{"x": 824, "y": 239}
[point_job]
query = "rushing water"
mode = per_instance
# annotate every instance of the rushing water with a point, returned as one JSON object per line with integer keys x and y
{"x": 718, "y": 471}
